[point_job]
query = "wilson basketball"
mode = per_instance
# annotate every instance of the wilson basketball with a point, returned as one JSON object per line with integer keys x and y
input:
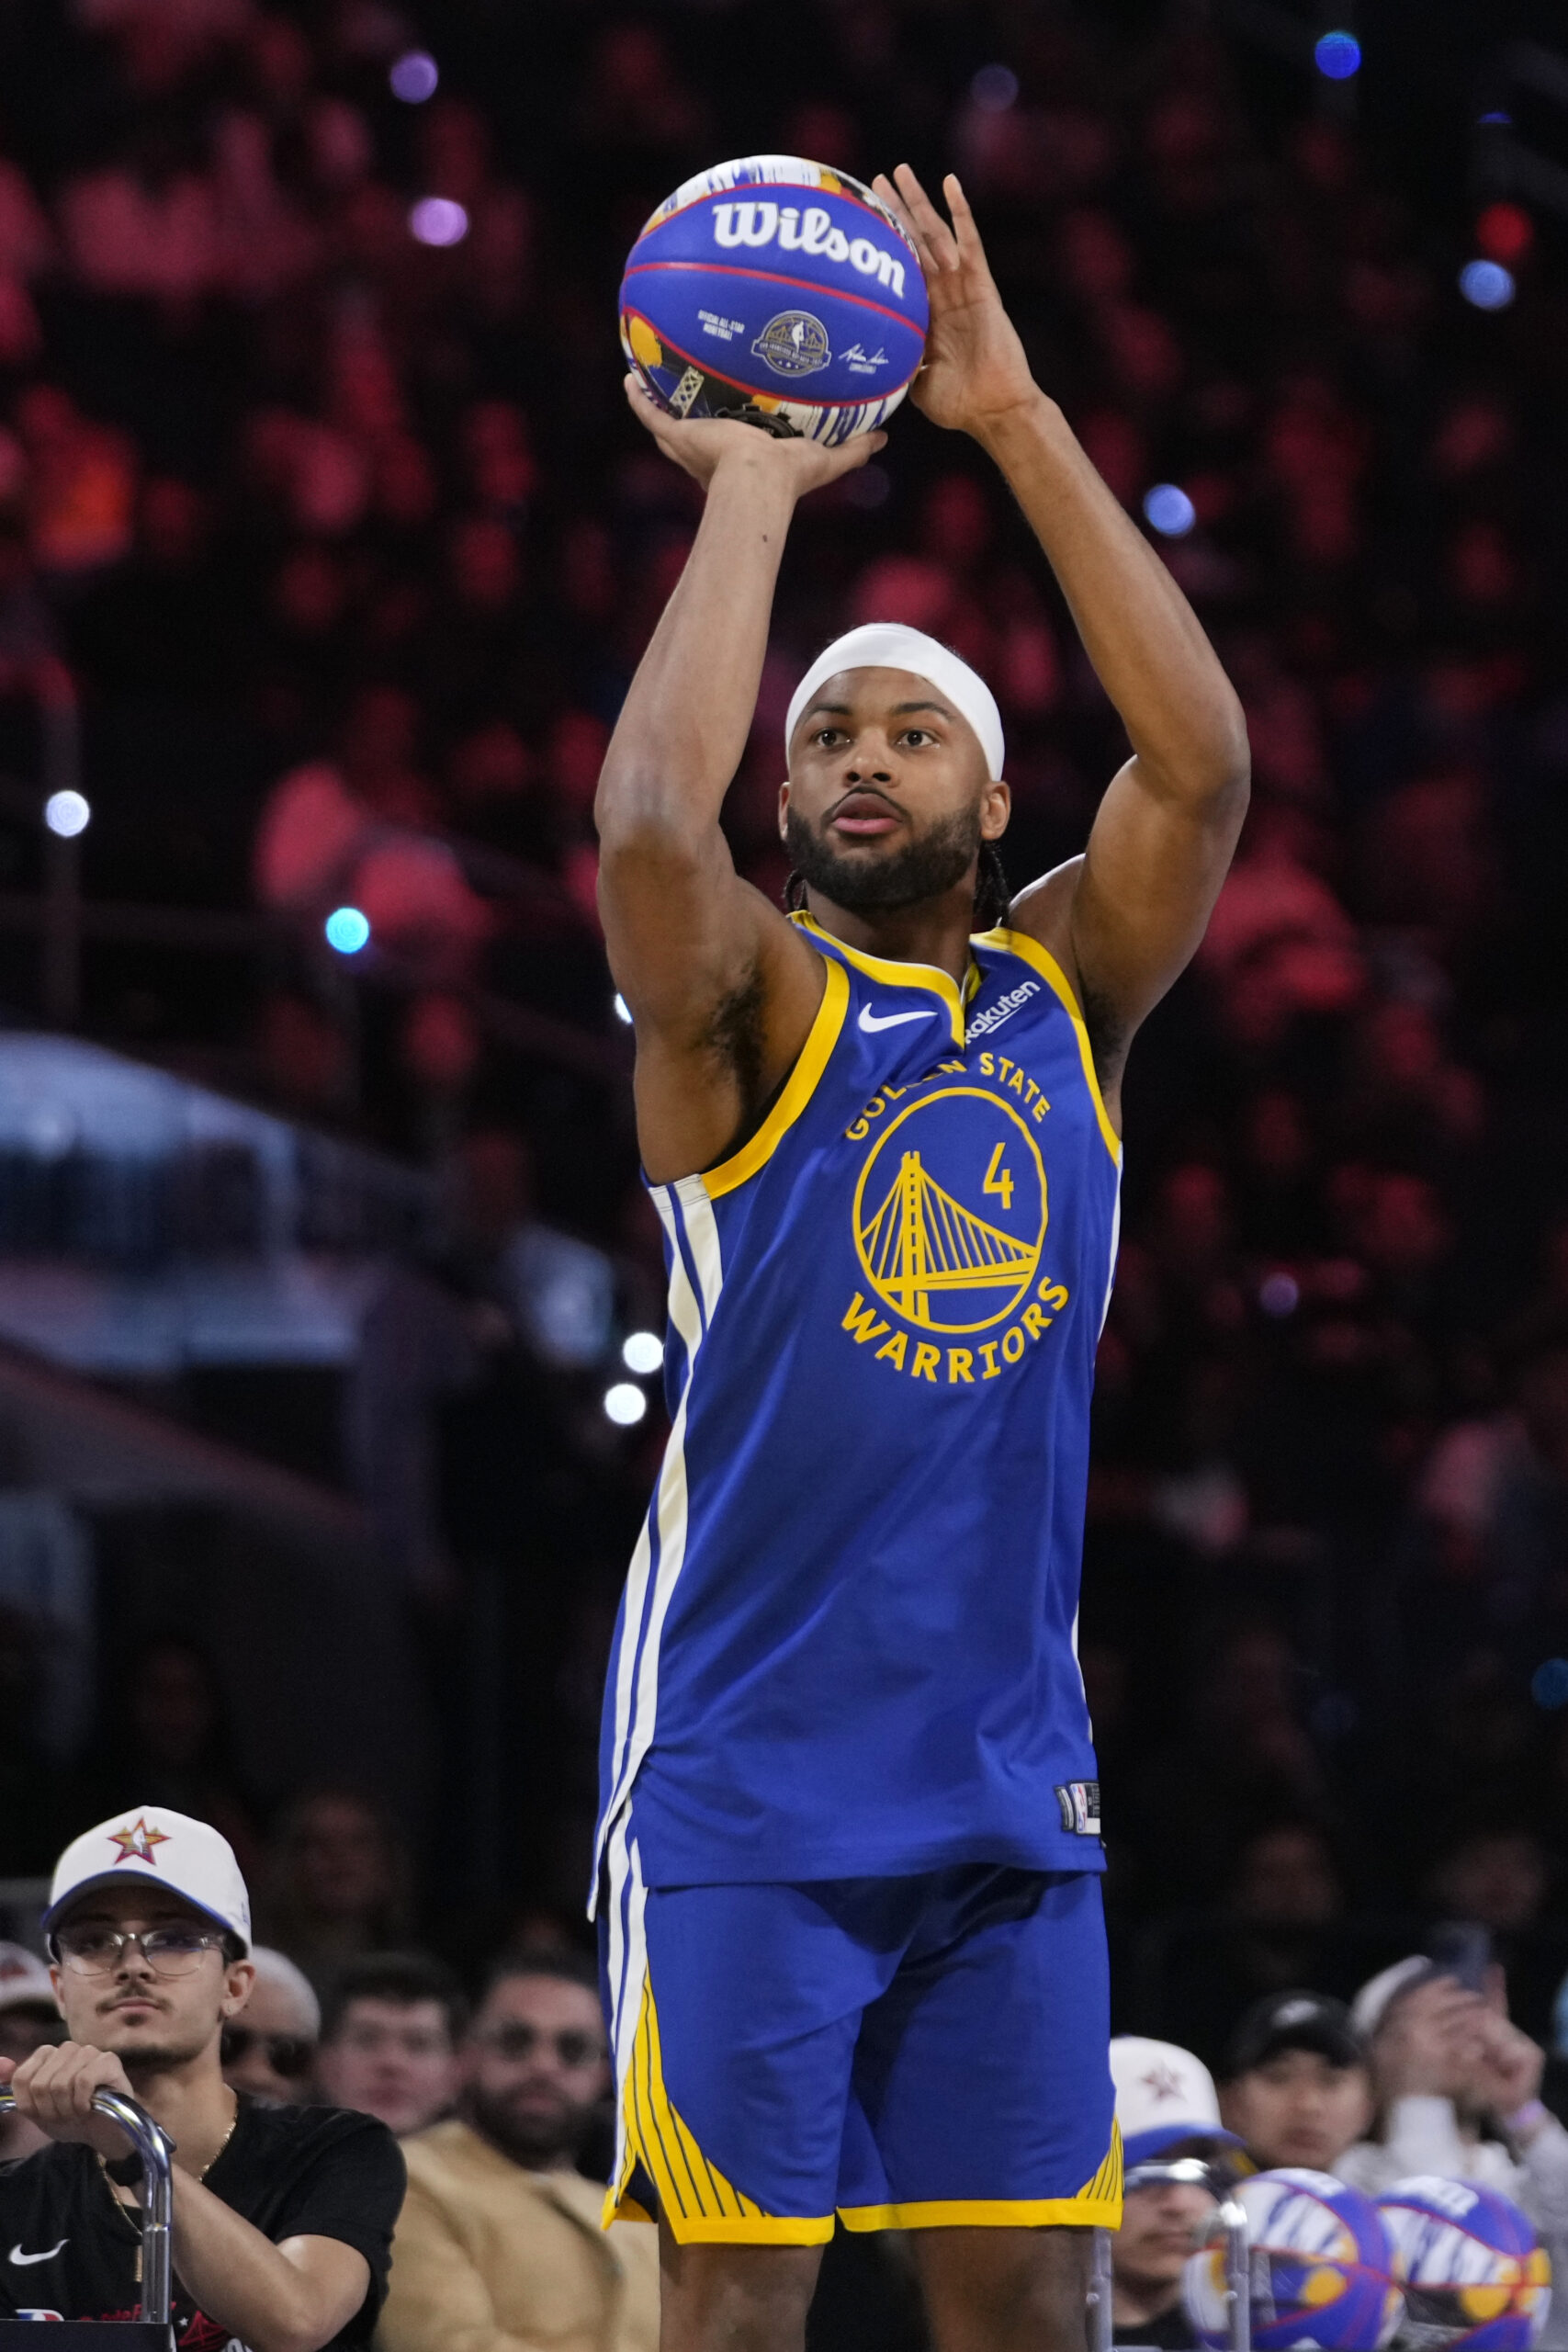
{"x": 1474, "y": 2271}
{"x": 1322, "y": 2271}
{"x": 776, "y": 290}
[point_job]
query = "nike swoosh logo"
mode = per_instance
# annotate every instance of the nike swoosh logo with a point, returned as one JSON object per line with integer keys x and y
{"x": 48, "y": 2256}
{"x": 873, "y": 1020}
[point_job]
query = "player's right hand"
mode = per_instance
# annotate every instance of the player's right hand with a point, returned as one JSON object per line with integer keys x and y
{"x": 699, "y": 446}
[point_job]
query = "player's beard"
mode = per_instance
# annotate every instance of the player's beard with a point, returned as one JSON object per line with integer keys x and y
{"x": 924, "y": 866}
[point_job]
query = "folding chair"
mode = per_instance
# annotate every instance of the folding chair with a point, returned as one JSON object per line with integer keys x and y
{"x": 153, "y": 2331}
{"x": 1230, "y": 2215}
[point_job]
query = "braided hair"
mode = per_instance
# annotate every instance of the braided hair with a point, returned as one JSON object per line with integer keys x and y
{"x": 993, "y": 893}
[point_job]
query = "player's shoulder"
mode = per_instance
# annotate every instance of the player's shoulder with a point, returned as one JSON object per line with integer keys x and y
{"x": 1041, "y": 914}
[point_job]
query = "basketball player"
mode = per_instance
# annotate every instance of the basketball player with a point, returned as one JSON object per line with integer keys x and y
{"x": 849, "y": 1846}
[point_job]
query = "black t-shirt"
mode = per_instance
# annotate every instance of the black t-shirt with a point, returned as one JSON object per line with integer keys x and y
{"x": 67, "y": 2249}
{"x": 1172, "y": 2332}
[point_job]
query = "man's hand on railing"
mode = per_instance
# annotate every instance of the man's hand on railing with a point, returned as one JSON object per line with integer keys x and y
{"x": 55, "y": 2088}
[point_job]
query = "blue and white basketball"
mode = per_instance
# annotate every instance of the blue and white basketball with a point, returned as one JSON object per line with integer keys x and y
{"x": 1474, "y": 2271}
{"x": 777, "y": 290}
{"x": 1322, "y": 2269}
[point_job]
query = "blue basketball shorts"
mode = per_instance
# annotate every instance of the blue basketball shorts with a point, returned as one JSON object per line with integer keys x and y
{"x": 922, "y": 2052}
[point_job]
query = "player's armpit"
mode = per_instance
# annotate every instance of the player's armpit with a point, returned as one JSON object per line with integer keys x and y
{"x": 1153, "y": 869}
{"x": 1126, "y": 918}
{"x": 721, "y": 989}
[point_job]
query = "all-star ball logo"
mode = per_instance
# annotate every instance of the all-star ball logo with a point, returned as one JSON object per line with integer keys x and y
{"x": 137, "y": 1843}
{"x": 793, "y": 344}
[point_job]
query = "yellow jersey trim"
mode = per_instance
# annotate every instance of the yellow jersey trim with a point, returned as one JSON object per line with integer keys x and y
{"x": 797, "y": 1092}
{"x": 892, "y": 974}
{"x": 700, "y": 2205}
{"x": 1029, "y": 951}
{"x": 989, "y": 2213}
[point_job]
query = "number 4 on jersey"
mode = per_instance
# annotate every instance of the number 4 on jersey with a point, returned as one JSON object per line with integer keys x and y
{"x": 998, "y": 1178}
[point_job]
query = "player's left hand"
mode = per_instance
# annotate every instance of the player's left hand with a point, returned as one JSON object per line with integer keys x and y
{"x": 975, "y": 369}
{"x": 700, "y": 446}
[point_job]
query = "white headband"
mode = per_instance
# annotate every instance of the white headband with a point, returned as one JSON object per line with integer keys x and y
{"x": 888, "y": 645}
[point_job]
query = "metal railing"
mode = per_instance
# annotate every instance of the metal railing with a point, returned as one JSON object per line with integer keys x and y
{"x": 1229, "y": 2216}
{"x": 156, "y": 2150}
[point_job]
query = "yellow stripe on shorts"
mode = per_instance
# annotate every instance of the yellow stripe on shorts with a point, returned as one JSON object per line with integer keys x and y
{"x": 700, "y": 2205}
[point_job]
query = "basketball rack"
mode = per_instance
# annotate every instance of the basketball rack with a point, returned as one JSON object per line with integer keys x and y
{"x": 153, "y": 2330}
{"x": 1230, "y": 2217}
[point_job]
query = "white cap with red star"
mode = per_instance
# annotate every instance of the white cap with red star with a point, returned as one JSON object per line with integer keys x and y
{"x": 154, "y": 1842}
{"x": 1165, "y": 2098}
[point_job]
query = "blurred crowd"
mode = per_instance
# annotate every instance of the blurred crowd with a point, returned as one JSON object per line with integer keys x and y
{"x": 313, "y": 471}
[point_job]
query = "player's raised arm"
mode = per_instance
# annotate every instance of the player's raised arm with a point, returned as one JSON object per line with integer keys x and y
{"x": 1130, "y": 913}
{"x": 722, "y": 990}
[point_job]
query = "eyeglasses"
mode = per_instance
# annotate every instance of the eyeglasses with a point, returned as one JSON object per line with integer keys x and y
{"x": 168, "y": 1951}
{"x": 287, "y": 2053}
{"x": 519, "y": 2041}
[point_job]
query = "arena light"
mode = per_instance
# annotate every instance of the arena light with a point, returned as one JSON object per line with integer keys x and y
{"x": 1548, "y": 1683}
{"x": 437, "y": 221}
{"x": 642, "y": 1351}
{"x": 1486, "y": 285}
{"x": 994, "y": 89}
{"x": 1278, "y": 1294}
{"x": 1337, "y": 56}
{"x": 347, "y": 931}
{"x": 414, "y": 77}
{"x": 622, "y": 1010}
{"x": 625, "y": 1404}
{"x": 67, "y": 814}
{"x": 1505, "y": 233}
{"x": 1169, "y": 511}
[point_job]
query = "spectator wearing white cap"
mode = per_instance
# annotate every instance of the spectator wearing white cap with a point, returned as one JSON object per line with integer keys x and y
{"x": 1165, "y": 2107}
{"x": 282, "y": 2216}
{"x": 1457, "y": 2093}
{"x": 29, "y": 2018}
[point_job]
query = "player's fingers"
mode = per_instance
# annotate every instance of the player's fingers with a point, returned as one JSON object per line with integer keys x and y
{"x": 933, "y": 228}
{"x": 641, "y": 403}
{"x": 901, "y": 210}
{"x": 966, "y": 236}
{"x": 885, "y": 188}
{"x": 850, "y": 456}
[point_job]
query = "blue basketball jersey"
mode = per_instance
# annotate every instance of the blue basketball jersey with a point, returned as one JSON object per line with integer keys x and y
{"x": 847, "y": 1645}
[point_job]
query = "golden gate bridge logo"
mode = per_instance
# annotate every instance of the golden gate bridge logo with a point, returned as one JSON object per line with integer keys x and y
{"x": 937, "y": 1261}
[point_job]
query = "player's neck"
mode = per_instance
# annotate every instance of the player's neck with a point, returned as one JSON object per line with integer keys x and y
{"x": 933, "y": 931}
